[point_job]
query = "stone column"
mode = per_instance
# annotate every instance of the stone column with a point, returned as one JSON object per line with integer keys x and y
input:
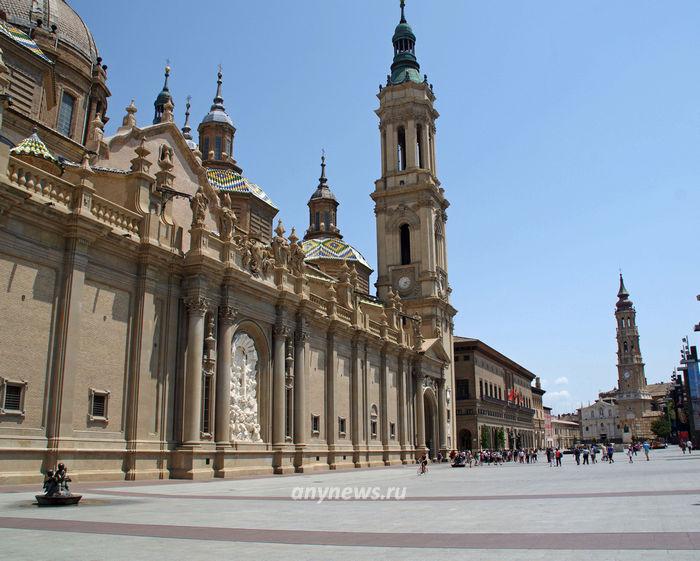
{"x": 420, "y": 412}
{"x": 66, "y": 345}
{"x": 442, "y": 419}
{"x": 222, "y": 424}
{"x": 391, "y": 148}
{"x": 384, "y": 402}
{"x": 278, "y": 386}
{"x": 433, "y": 161}
{"x": 427, "y": 156}
{"x": 331, "y": 420}
{"x": 356, "y": 395}
{"x": 196, "y": 308}
{"x": 411, "y": 137}
{"x": 402, "y": 402}
{"x": 300, "y": 415}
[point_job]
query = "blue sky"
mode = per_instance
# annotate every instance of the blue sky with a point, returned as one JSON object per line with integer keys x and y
{"x": 568, "y": 143}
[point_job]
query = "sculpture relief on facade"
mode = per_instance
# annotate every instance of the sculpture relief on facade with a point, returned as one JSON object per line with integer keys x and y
{"x": 245, "y": 424}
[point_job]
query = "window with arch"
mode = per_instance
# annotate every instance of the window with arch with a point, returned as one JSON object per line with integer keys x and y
{"x": 317, "y": 221}
{"x": 629, "y": 322}
{"x": 481, "y": 388}
{"x": 405, "y": 241}
{"x": 401, "y": 149}
{"x": 624, "y": 346}
{"x": 373, "y": 415}
{"x": 217, "y": 148}
{"x": 327, "y": 221}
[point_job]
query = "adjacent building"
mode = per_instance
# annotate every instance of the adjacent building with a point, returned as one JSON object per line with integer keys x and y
{"x": 565, "y": 432}
{"x": 164, "y": 326}
{"x": 495, "y": 399}
{"x": 600, "y": 422}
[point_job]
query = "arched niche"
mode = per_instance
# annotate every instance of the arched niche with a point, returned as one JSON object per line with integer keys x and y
{"x": 250, "y": 349}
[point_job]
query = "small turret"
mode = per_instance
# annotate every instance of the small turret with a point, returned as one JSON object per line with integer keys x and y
{"x": 216, "y": 132}
{"x": 323, "y": 209}
{"x": 623, "y": 301}
{"x": 163, "y": 98}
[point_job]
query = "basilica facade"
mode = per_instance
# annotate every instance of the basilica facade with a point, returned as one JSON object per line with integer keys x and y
{"x": 160, "y": 322}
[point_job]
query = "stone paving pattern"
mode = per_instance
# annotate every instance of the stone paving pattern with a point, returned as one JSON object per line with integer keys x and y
{"x": 611, "y": 512}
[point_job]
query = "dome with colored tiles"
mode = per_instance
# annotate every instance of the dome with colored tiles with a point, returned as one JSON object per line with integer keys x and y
{"x": 33, "y": 150}
{"x": 332, "y": 248}
{"x": 230, "y": 180}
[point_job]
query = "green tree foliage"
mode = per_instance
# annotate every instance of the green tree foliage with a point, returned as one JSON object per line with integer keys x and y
{"x": 484, "y": 438}
{"x": 661, "y": 427}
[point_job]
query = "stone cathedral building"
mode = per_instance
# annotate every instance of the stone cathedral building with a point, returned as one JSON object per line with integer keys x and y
{"x": 158, "y": 321}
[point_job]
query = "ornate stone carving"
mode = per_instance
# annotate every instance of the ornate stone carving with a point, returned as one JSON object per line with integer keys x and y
{"x": 197, "y": 305}
{"x": 245, "y": 424}
{"x": 199, "y": 208}
{"x": 227, "y": 222}
{"x": 228, "y": 314}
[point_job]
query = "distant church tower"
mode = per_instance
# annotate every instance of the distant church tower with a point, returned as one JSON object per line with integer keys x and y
{"x": 410, "y": 204}
{"x": 633, "y": 400}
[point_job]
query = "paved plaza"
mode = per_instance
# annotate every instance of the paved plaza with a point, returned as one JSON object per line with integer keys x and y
{"x": 610, "y": 512}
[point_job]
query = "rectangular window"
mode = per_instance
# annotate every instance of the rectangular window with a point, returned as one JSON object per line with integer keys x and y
{"x": 65, "y": 114}
{"x": 13, "y": 397}
{"x": 341, "y": 426}
{"x": 315, "y": 424}
{"x": 392, "y": 430}
{"x": 206, "y": 405}
{"x": 462, "y": 389}
{"x": 205, "y": 149}
{"x": 98, "y": 405}
{"x": 373, "y": 428}
{"x": 217, "y": 147}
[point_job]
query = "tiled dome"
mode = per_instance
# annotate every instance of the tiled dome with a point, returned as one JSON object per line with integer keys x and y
{"x": 70, "y": 28}
{"x": 331, "y": 248}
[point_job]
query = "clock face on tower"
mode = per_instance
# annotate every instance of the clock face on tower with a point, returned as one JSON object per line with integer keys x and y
{"x": 626, "y": 374}
{"x": 404, "y": 283}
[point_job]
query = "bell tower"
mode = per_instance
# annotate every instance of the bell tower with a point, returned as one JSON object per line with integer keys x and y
{"x": 410, "y": 203}
{"x": 633, "y": 398}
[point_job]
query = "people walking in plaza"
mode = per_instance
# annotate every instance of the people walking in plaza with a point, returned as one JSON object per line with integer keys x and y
{"x": 586, "y": 452}
{"x": 610, "y": 451}
{"x": 630, "y": 452}
{"x": 557, "y": 455}
{"x": 689, "y": 445}
{"x": 682, "y": 445}
{"x": 646, "y": 447}
{"x": 577, "y": 455}
{"x": 594, "y": 453}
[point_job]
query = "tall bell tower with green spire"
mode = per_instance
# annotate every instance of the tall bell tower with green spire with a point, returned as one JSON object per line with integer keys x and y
{"x": 410, "y": 209}
{"x": 410, "y": 203}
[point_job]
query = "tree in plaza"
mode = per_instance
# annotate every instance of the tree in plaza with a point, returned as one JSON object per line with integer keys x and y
{"x": 500, "y": 438}
{"x": 484, "y": 438}
{"x": 661, "y": 427}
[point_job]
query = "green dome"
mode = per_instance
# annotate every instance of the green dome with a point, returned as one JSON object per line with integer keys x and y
{"x": 403, "y": 31}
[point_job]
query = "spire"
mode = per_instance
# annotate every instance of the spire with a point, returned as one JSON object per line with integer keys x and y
{"x": 323, "y": 208}
{"x": 623, "y": 301}
{"x": 218, "y": 100}
{"x": 405, "y": 67}
{"x": 323, "y": 191}
{"x": 217, "y": 111}
{"x": 163, "y": 97}
{"x": 322, "y": 180}
{"x": 186, "y": 129}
